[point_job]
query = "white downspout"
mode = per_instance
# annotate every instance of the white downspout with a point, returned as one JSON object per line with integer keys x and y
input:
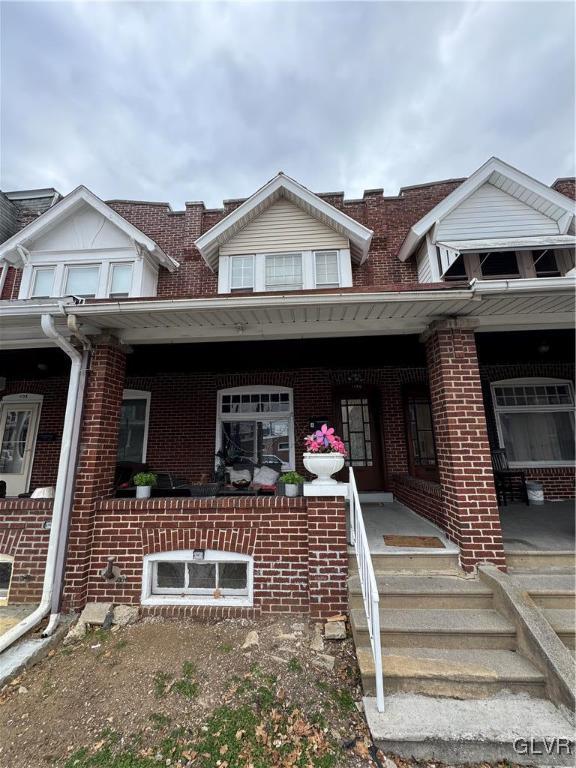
{"x": 62, "y": 496}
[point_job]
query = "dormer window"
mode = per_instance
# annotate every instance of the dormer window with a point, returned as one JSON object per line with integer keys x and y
{"x": 545, "y": 263}
{"x": 82, "y": 281}
{"x": 283, "y": 272}
{"x": 43, "y": 283}
{"x": 500, "y": 264}
{"x": 290, "y": 271}
{"x": 120, "y": 280}
{"x": 241, "y": 273}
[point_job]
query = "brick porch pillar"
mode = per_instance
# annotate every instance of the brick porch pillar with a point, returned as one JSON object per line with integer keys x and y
{"x": 463, "y": 451}
{"x": 327, "y": 555}
{"x": 97, "y": 461}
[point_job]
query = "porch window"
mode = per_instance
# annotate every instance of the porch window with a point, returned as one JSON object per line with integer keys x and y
{"x": 420, "y": 434}
{"x": 257, "y": 423}
{"x": 535, "y": 421}
{"x": 198, "y": 577}
{"x": 134, "y": 417}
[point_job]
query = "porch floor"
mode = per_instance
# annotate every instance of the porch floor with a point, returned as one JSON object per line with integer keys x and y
{"x": 544, "y": 527}
{"x": 396, "y": 519}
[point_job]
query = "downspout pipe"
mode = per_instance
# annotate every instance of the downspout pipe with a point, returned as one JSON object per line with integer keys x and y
{"x": 53, "y": 573}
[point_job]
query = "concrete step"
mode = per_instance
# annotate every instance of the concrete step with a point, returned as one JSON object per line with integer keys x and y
{"x": 441, "y": 628}
{"x": 413, "y": 562}
{"x": 424, "y": 591}
{"x": 563, "y": 622}
{"x": 474, "y": 731}
{"x": 549, "y": 561}
{"x": 465, "y": 674}
{"x": 548, "y": 590}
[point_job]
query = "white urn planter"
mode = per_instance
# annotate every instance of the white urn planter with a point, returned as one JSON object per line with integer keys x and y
{"x": 323, "y": 465}
{"x": 143, "y": 491}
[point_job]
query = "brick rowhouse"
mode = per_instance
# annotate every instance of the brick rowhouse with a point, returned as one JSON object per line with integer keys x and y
{"x": 470, "y": 506}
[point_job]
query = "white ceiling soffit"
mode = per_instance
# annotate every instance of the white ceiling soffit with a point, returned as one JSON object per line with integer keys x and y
{"x": 283, "y": 186}
{"x": 507, "y": 178}
{"x": 450, "y": 249}
{"x": 12, "y": 250}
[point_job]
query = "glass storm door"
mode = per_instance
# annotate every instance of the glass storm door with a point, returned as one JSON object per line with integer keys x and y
{"x": 361, "y": 436}
{"x": 18, "y": 426}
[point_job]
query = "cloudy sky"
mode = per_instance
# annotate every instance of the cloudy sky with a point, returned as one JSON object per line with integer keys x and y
{"x": 188, "y": 101}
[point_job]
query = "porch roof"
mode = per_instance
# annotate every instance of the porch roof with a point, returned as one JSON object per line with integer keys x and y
{"x": 489, "y": 305}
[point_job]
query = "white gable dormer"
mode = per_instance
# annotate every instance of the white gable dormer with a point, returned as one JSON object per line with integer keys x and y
{"x": 498, "y": 223}
{"x": 81, "y": 247}
{"x": 284, "y": 238}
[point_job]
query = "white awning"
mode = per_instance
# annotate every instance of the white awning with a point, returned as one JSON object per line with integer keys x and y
{"x": 451, "y": 249}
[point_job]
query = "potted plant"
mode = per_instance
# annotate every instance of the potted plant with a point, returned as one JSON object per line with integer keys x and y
{"x": 144, "y": 482}
{"x": 324, "y": 455}
{"x": 292, "y": 482}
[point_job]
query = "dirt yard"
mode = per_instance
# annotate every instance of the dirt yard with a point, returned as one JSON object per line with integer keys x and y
{"x": 184, "y": 693}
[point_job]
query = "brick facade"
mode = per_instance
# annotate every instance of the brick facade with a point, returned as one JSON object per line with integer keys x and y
{"x": 463, "y": 451}
{"x": 298, "y": 545}
{"x": 24, "y": 537}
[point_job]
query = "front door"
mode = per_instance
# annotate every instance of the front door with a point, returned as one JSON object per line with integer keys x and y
{"x": 360, "y": 432}
{"x": 19, "y": 416}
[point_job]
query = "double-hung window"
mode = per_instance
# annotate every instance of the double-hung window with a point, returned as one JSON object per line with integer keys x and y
{"x": 535, "y": 421}
{"x": 327, "y": 269}
{"x": 241, "y": 273}
{"x": 257, "y": 423}
{"x": 120, "y": 280}
{"x": 283, "y": 272}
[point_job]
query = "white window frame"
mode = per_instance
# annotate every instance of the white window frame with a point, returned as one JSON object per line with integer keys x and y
{"x": 338, "y": 267}
{"x": 202, "y": 597}
{"x": 112, "y": 266}
{"x": 63, "y": 262}
{"x": 499, "y": 409}
{"x": 275, "y": 289}
{"x": 243, "y": 288}
{"x": 140, "y": 394}
{"x": 68, "y": 267}
{"x": 271, "y": 416}
{"x": 308, "y": 270}
{"x": 5, "y": 594}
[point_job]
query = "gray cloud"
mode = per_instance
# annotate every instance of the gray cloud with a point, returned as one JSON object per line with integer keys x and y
{"x": 185, "y": 101}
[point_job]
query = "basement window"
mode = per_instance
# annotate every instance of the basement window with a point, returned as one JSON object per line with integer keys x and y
{"x": 5, "y": 577}
{"x": 197, "y": 577}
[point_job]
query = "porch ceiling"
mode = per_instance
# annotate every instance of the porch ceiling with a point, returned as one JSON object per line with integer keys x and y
{"x": 510, "y": 305}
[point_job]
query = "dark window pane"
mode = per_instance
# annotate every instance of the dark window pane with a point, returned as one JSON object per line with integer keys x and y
{"x": 132, "y": 430}
{"x": 233, "y": 575}
{"x": 201, "y": 575}
{"x": 170, "y": 575}
{"x": 500, "y": 263}
{"x": 457, "y": 271}
{"x": 5, "y": 573}
{"x": 545, "y": 264}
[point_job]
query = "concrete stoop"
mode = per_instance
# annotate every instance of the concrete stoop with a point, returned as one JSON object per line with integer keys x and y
{"x": 514, "y": 728}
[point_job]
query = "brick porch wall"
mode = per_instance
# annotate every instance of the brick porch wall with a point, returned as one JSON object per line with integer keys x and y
{"x": 24, "y": 538}
{"x": 463, "y": 450}
{"x": 298, "y": 545}
{"x": 422, "y": 496}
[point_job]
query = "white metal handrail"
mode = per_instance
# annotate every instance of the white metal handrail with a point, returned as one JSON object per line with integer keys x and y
{"x": 368, "y": 584}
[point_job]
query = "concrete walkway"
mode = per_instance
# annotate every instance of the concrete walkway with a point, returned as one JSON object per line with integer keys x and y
{"x": 548, "y": 526}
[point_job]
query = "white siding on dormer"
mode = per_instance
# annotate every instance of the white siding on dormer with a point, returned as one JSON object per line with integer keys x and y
{"x": 283, "y": 227}
{"x": 491, "y": 213}
{"x": 84, "y": 229}
{"x": 423, "y": 264}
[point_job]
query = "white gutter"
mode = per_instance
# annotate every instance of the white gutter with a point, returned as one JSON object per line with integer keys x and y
{"x": 53, "y": 573}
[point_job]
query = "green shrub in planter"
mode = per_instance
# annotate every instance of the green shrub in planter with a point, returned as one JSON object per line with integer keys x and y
{"x": 292, "y": 478}
{"x": 144, "y": 478}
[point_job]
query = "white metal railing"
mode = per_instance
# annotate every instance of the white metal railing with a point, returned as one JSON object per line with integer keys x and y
{"x": 368, "y": 584}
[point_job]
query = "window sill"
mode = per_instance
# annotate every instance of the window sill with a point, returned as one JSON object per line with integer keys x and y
{"x": 156, "y": 600}
{"x": 541, "y": 464}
